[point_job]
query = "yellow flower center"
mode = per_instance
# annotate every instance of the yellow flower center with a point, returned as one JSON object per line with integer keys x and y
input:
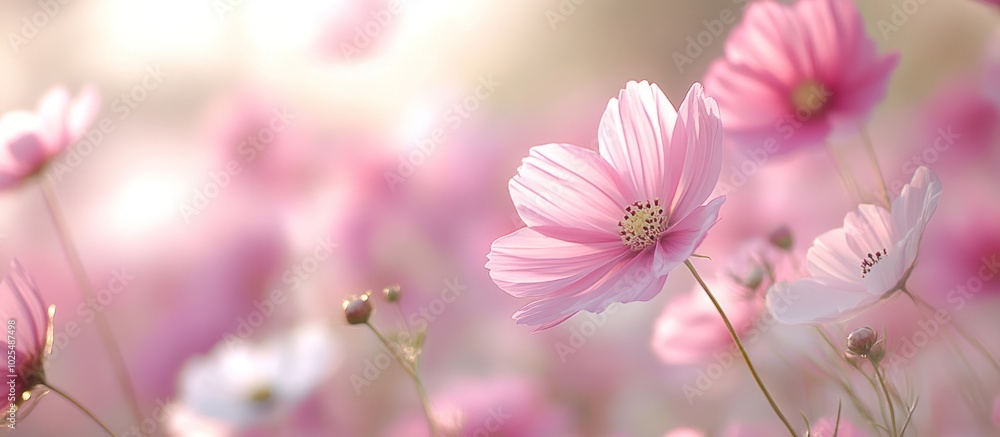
{"x": 261, "y": 395}
{"x": 810, "y": 98}
{"x": 643, "y": 224}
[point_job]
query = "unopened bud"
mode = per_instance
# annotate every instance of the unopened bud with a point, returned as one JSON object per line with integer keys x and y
{"x": 862, "y": 342}
{"x": 392, "y": 293}
{"x": 781, "y": 238}
{"x": 357, "y": 309}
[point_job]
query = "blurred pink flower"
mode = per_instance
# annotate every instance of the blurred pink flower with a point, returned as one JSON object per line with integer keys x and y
{"x": 607, "y": 227}
{"x": 29, "y": 323}
{"x": 499, "y": 407}
{"x": 31, "y": 139}
{"x": 794, "y": 74}
{"x": 881, "y": 243}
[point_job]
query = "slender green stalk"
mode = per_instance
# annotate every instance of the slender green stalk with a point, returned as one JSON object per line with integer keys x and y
{"x": 424, "y": 401}
{"x": 878, "y": 170}
{"x": 81, "y": 407}
{"x": 909, "y": 415}
{"x": 743, "y": 351}
{"x": 888, "y": 399}
{"x": 87, "y": 292}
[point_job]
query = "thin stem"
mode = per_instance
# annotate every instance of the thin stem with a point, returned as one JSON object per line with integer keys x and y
{"x": 878, "y": 170}
{"x": 424, "y": 402}
{"x": 81, "y": 407}
{"x": 845, "y": 175}
{"x": 888, "y": 399}
{"x": 909, "y": 415}
{"x": 87, "y": 292}
{"x": 743, "y": 351}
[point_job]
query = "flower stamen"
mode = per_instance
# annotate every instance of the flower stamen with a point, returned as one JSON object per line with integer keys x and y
{"x": 643, "y": 224}
{"x": 868, "y": 263}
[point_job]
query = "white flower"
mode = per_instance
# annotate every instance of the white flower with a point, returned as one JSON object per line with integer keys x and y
{"x": 863, "y": 263}
{"x": 244, "y": 384}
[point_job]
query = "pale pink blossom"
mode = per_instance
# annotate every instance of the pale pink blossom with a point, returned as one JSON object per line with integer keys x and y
{"x": 794, "y": 74}
{"x": 31, "y": 139}
{"x": 608, "y": 226}
{"x": 29, "y": 323}
{"x": 864, "y": 262}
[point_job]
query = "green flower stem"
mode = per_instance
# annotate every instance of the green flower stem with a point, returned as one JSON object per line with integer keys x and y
{"x": 412, "y": 371}
{"x": 739, "y": 344}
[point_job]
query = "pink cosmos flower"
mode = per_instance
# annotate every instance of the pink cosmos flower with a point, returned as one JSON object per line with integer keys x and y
{"x": 29, "y": 322}
{"x": 608, "y": 226}
{"x": 30, "y": 139}
{"x": 863, "y": 263}
{"x": 689, "y": 329}
{"x": 794, "y": 74}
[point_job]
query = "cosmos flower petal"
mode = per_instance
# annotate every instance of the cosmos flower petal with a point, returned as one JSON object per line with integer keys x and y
{"x": 917, "y": 201}
{"x": 684, "y": 237}
{"x": 816, "y": 300}
{"x": 795, "y": 74}
{"x": 82, "y": 113}
{"x": 531, "y": 262}
{"x": 831, "y": 258}
{"x": 868, "y": 229}
{"x": 633, "y": 137}
{"x": 700, "y": 128}
{"x": 630, "y": 280}
{"x": 569, "y": 186}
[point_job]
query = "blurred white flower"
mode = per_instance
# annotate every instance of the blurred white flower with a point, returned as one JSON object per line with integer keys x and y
{"x": 243, "y": 384}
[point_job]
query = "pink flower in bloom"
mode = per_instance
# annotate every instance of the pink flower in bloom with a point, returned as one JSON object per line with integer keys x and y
{"x": 30, "y": 139}
{"x": 866, "y": 261}
{"x": 794, "y": 74}
{"x": 29, "y": 322}
{"x": 607, "y": 227}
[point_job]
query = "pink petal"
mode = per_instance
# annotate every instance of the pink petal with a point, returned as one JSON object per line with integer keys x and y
{"x": 700, "y": 128}
{"x": 830, "y": 258}
{"x": 568, "y": 186}
{"x": 52, "y": 110}
{"x": 628, "y": 278}
{"x": 680, "y": 241}
{"x": 24, "y": 305}
{"x": 632, "y": 137}
{"x": 82, "y": 113}
{"x": 817, "y": 300}
{"x": 531, "y": 263}
{"x": 690, "y": 330}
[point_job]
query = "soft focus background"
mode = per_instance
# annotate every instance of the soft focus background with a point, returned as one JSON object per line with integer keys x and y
{"x": 389, "y": 132}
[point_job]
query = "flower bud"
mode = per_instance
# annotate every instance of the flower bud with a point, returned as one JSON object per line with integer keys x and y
{"x": 392, "y": 293}
{"x": 781, "y": 238}
{"x": 862, "y": 341}
{"x": 357, "y": 309}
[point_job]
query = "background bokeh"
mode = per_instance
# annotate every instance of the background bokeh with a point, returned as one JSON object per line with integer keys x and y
{"x": 396, "y": 153}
